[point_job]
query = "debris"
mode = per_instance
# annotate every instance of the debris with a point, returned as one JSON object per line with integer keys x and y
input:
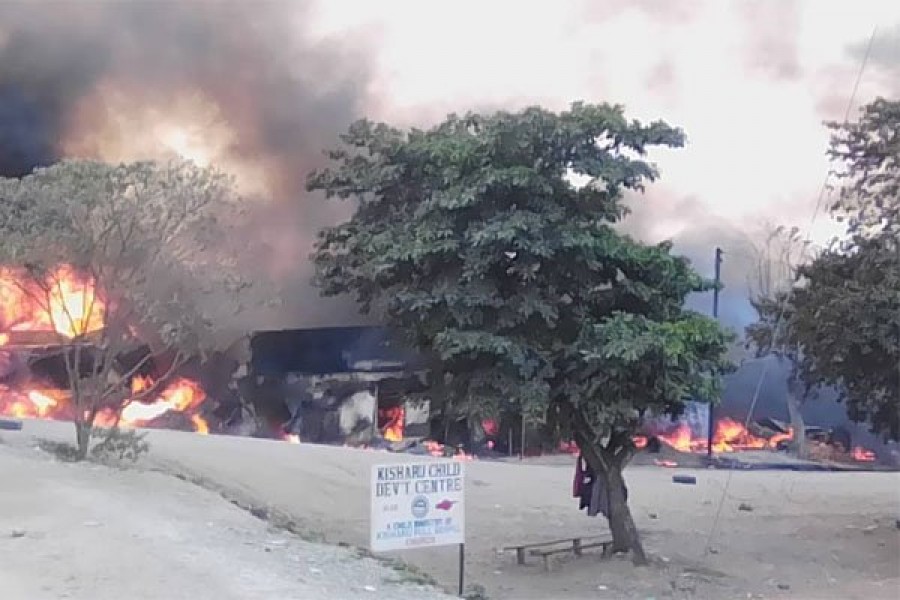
{"x": 602, "y": 587}
{"x": 745, "y": 507}
{"x": 685, "y": 479}
{"x": 10, "y": 425}
{"x": 653, "y": 516}
{"x": 870, "y": 528}
{"x": 370, "y": 588}
{"x": 17, "y": 533}
{"x": 783, "y": 586}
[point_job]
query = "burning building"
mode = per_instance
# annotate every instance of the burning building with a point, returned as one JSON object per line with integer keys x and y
{"x": 336, "y": 385}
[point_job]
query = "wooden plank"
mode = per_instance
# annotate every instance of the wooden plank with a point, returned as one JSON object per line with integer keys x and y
{"x": 546, "y": 554}
{"x": 602, "y": 544}
{"x": 553, "y": 543}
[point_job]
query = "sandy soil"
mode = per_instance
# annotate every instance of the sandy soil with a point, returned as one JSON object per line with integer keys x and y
{"x": 82, "y": 531}
{"x": 799, "y": 535}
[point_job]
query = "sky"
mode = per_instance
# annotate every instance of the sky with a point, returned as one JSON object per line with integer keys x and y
{"x": 750, "y": 82}
{"x": 260, "y": 87}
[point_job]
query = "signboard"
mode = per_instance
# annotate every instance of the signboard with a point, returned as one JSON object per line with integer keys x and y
{"x": 417, "y": 505}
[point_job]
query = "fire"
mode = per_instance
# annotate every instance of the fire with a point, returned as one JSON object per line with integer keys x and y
{"x": 861, "y": 454}
{"x": 390, "y": 422}
{"x": 729, "y": 436}
{"x": 64, "y": 302}
{"x": 435, "y": 448}
{"x": 181, "y": 396}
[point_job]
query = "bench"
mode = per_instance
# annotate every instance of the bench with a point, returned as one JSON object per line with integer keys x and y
{"x": 574, "y": 545}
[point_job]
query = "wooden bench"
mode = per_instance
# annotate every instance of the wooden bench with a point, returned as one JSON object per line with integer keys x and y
{"x": 574, "y": 545}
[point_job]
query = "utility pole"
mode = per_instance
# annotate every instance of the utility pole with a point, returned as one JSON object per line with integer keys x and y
{"x": 715, "y": 314}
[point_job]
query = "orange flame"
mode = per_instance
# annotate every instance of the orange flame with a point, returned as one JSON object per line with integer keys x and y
{"x": 65, "y": 303}
{"x": 391, "y": 423}
{"x": 182, "y": 395}
{"x": 729, "y": 436}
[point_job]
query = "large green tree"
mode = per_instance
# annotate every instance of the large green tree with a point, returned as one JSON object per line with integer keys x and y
{"x": 473, "y": 240}
{"x": 841, "y": 321}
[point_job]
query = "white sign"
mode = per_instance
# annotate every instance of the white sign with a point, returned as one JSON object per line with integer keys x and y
{"x": 417, "y": 505}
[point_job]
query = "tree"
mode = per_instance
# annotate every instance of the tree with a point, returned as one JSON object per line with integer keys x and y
{"x": 130, "y": 263}
{"x": 842, "y": 320}
{"x": 868, "y": 157}
{"x": 473, "y": 242}
{"x": 775, "y": 273}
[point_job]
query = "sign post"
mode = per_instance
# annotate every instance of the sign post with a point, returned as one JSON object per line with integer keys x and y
{"x": 419, "y": 505}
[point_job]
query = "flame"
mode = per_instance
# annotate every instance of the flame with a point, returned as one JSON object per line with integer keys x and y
{"x": 200, "y": 424}
{"x": 729, "y": 436}
{"x": 435, "y": 448}
{"x": 64, "y": 302}
{"x": 390, "y": 422}
{"x": 182, "y": 396}
{"x": 862, "y": 454}
{"x": 42, "y": 402}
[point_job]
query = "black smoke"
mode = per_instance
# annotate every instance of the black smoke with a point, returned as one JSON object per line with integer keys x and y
{"x": 283, "y": 90}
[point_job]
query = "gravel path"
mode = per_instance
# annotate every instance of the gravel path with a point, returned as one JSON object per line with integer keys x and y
{"x": 82, "y": 531}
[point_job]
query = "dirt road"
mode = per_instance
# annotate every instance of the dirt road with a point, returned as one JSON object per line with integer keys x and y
{"x": 797, "y": 535}
{"x": 81, "y": 531}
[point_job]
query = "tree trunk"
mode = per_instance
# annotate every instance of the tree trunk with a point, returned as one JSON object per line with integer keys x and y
{"x": 621, "y": 524}
{"x": 608, "y": 465}
{"x": 83, "y": 438}
{"x": 798, "y": 443}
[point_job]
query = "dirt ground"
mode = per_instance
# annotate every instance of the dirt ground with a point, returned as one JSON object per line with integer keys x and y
{"x": 797, "y": 535}
{"x": 82, "y": 531}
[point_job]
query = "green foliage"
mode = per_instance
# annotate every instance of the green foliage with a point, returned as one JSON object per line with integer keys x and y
{"x": 841, "y": 324}
{"x": 472, "y": 241}
{"x": 869, "y": 154}
{"x": 119, "y": 445}
{"x": 153, "y": 240}
{"x": 842, "y": 328}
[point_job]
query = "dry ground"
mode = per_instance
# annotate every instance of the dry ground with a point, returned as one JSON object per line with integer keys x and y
{"x": 82, "y": 531}
{"x": 806, "y": 535}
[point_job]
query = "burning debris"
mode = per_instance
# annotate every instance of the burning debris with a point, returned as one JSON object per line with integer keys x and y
{"x": 765, "y": 434}
{"x": 33, "y": 331}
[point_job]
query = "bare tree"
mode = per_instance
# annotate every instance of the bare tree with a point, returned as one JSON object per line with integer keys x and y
{"x": 124, "y": 257}
{"x": 776, "y": 260}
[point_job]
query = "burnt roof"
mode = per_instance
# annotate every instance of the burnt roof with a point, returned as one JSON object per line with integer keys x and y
{"x": 327, "y": 350}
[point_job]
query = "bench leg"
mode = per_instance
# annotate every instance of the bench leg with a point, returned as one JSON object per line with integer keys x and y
{"x": 576, "y": 547}
{"x": 547, "y": 562}
{"x": 607, "y": 550}
{"x": 520, "y": 556}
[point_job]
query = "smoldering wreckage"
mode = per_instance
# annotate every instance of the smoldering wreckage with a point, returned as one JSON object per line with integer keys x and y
{"x": 338, "y": 385}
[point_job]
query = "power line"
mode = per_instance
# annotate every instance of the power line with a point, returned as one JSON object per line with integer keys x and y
{"x": 783, "y": 301}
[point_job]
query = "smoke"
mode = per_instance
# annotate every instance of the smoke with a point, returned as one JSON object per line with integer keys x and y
{"x": 772, "y": 28}
{"x": 247, "y": 87}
